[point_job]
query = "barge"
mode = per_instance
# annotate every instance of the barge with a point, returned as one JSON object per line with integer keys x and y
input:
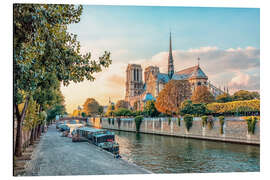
{"x": 102, "y": 138}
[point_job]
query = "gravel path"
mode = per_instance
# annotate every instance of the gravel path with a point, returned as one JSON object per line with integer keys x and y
{"x": 56, "y": 156}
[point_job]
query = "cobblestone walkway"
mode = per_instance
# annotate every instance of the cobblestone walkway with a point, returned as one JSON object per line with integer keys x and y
{"x": 56, "y": 156}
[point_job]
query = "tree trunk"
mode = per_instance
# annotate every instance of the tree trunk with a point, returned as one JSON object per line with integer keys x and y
{"x": 32, "y": 137}
{"x": 42, "y": 128}
{"x": 39, "y": 130}
{"x": 20, "y": 119}
{"x": 35, "y": 133}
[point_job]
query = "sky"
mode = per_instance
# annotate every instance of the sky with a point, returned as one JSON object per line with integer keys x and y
{"x": 227, "y": 40}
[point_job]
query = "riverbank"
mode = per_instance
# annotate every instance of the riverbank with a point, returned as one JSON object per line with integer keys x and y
{"x": 56, "y": 156}
{"x": 234, "y": 130}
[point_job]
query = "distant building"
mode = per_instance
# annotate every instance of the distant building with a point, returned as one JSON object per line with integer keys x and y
{"x": 139, "y": 91}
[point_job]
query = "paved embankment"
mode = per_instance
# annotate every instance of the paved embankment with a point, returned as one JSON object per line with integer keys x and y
{"x": 56, "y": 155}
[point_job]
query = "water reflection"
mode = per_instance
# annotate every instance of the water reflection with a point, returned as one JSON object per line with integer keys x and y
{"x": 163, "y": 154}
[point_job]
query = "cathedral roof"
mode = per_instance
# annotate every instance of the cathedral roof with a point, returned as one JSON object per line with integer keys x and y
{"x": 163, "y": 77}
{"x": 198, "y": 73}
{"x": 192, "y": 72}
{"x": 148, "y": 97}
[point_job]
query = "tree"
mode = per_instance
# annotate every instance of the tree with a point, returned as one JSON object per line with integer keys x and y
{"x": 123, "y": 112}
{"x": 150, "y": 109}
{"x": 91, "y": 107}
{"x": 83, "y": 114}
{"x": 172, "y": 95}
{"x": 57, "y": 109}
{"x": 242, "y": 95}
{"x": 110, "y": 110}
{"x": 42, "y": 46}
{"x": 202, "y": 95}
{"x": 100, "y": 110}
{"x": 135, "y": 105}
{"x": 225, "y": 97}
{"x": 76, "y": 112}
{"x": 121, "y": 104}
{"x": 255, "y": 95}
{"x": 187, "y": 107}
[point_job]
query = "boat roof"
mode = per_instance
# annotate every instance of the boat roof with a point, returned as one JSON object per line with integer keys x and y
{"x": 89, "y": 129}
{"x": 105, "y": 134}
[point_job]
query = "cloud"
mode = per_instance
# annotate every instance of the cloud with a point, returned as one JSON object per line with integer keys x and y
{"x": 116, "y": 80}
{"x": 245, "y": 81}
{"x": 220, "y": 65}
{"x": 240, "y": 79}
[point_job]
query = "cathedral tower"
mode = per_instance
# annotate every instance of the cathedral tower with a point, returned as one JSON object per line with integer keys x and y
{"x": 134, "y": 83}
{"x": 170, "y": 60}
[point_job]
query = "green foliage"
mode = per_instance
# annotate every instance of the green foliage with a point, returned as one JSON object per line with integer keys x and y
{"x": 221, "y": 122}
{"x": 110, "y": 110}
{"x": 251, "y": 123}
{"x": 83, "y": 114}
{"x": 100, "y": 110}
{"x": 124, "y": 112}
{"x": 179, "y": 121}
{"x": 204, "y": 120}
{"x": 188, "y": 119}
{"x": 224, "y": 98}
{"x": 43, "y": 46}
{"x": 109, "y": 121}
{"x": 169, "y": 121}
{"x": 138, "y": 113}
{"x": 210, "y": 122}
{"x": 58, "y": 109}
{"x": 138, "y": 121}
{"x": 91, "y": 107}
{"x": 233, "y": 107}
{"x": 245, "y": 95}
{"x": 150, "y": 109}
{"x": 118, "y": 122}
{"x": 32, "y": 115}
{"x": 187, "y": 107}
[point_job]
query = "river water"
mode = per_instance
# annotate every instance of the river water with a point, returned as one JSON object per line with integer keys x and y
{"x": 164, "y": 154}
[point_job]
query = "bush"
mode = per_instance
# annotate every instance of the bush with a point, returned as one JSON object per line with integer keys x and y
{"x": 138, "y": 121}
{"x": 221, "y": 122}
{"x": 204, "y": 120}
{"x": 242, "y": 107}
{"x": 210, "y": 122}
{"x": 188, "y": 119}
{"x": 179, "y": 121}
{"x": 123, "y": 112}
{"x": 118, "y": 122}
{"x": 251, "y": 122}
{"x": 169, "y": 121}
{"x": 187, "y": 107}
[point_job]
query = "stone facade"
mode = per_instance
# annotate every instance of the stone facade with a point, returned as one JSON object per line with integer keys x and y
{"x": 235, "y": 130}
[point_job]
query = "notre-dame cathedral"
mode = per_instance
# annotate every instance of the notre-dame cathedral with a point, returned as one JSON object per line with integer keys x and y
{"x": 139, "y": 91}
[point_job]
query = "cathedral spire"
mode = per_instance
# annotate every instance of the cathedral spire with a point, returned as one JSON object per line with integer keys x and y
{"x": 170, "y": 60}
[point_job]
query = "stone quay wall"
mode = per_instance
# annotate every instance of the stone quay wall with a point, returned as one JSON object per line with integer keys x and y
{"x": 235, "y": 129}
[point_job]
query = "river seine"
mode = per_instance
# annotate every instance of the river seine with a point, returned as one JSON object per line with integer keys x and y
{"x": 164, "y": 154}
